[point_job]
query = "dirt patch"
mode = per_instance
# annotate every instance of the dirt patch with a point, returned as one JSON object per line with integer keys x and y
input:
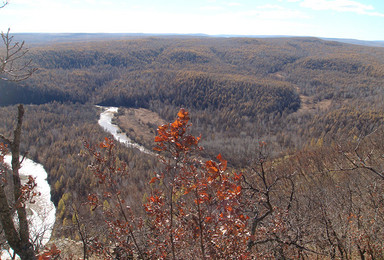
{"x": 308, "y": 105}
{"x": 139, "y": 124}
{"x": 279, "y": 76}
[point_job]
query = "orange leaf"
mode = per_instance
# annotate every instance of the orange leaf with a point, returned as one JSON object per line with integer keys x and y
{"x": 237, "y": 176}
{"x": 211, "y": 166}
{"x": 223, "y": 165}
{"x": 183, "y": 114}
{"x": 153, "y": 180}
{"x": 159, "y": 139}
{"x": 176, "y": 124}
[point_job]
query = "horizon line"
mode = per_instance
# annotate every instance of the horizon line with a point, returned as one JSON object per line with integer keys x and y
{"x": 197, "y": 35}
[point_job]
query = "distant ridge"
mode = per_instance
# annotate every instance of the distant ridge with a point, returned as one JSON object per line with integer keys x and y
{"x": 357, "y": 42}
{"x": 44, "y": 38}
{"x": 342, "y": 40}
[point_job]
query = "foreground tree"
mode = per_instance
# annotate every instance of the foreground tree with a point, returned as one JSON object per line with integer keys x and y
{"x": 194, "y": 206}
{"x": 17, "y": 235}
{"x": 193, "y": 209}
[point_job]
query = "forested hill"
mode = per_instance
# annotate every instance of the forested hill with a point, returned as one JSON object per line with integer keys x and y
{"x": 257, "y": 85}
{"x": 108, "y": 72}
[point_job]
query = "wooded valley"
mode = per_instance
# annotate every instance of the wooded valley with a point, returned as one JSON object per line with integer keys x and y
{"x": 298, "y": 124}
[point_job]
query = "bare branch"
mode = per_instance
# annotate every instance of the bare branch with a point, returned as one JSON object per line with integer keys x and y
{"x": 358, "y": 160}
{"x": 3, "y": 4}
{"x": 290, "y": 243}
{"x": 13, "y": 66}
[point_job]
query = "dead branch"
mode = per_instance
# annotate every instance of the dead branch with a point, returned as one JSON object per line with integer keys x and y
{"x": 13, "y": 66}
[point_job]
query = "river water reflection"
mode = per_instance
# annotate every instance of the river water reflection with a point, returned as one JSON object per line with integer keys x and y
{"x": 105, "y": 122}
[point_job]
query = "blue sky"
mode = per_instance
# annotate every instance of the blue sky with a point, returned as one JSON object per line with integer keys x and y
{"x": 357, "y": 19}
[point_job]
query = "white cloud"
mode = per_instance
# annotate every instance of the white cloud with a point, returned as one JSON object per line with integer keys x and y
{"x": 211, "y": 8}
{"x": 269, "y": 6}
{"x": 234, "y": 4}
{"x": 340, "y": 6}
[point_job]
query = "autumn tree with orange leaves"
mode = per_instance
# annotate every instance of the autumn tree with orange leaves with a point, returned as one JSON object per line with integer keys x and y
{"x": 194, "y": 205}
{"x": 193, "y": 210}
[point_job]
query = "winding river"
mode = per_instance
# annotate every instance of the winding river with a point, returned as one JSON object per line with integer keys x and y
{"x": 105, "y": 122}
{"x": 43, "y": 210}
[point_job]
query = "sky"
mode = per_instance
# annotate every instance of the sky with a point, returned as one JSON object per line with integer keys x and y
{"x": 355, "y": 19}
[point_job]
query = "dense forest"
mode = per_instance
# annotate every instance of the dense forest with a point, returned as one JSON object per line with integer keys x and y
{"x": 227, "y": 83}
{"x": 302, "y": 118}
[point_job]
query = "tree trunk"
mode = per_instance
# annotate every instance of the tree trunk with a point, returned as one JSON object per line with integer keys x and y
{"x": 18, "y": 240}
